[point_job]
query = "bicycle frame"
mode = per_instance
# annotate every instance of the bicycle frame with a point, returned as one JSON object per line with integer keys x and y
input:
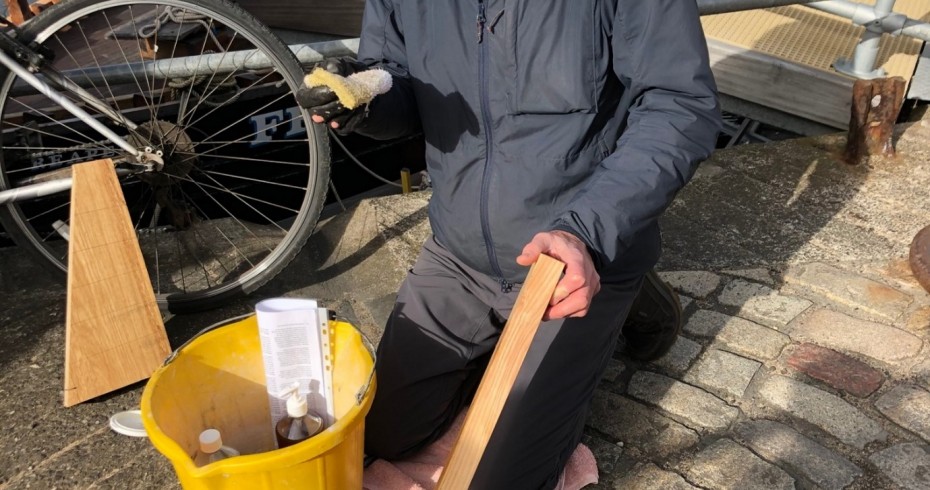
{"x": 175, "y": 68}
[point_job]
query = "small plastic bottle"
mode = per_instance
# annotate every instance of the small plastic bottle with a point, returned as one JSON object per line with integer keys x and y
{"x": 300, "y": 424}
{"x": 212, "y": 448}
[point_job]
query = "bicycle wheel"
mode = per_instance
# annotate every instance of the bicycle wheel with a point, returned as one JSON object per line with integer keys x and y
{"x": 203, "y": 82}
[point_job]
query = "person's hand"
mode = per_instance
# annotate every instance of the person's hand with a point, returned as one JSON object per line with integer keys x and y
{"x": 323, "y": 104}
{"x": 578, "y": 285}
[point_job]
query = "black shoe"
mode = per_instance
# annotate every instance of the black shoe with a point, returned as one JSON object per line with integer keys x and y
{"x": 654, "y": 321}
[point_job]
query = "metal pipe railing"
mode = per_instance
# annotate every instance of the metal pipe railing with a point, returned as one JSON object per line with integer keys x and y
{"x": 191, "y": 66}
{"x": 711, "y": 7}
{"x": 878, "y": 18}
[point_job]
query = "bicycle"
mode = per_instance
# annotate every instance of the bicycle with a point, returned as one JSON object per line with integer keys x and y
{"x": 221, "y": 203}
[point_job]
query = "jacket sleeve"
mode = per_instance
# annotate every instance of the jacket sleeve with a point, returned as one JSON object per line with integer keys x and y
{"x": 660, "y": 53}
{"x": 393, "y": 114}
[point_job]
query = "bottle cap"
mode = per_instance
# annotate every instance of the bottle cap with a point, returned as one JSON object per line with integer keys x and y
{"x": 210, "y": 441}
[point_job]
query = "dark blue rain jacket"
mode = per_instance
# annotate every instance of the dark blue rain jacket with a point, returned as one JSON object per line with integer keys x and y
{"x": 579, "y": 115}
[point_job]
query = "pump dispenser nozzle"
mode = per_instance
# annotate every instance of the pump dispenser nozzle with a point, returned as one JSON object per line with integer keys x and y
{"x": 299, "y": 424}
{"x": 296, "y": 403}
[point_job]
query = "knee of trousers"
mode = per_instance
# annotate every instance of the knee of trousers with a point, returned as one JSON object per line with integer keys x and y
{"x": 388, "y": 444}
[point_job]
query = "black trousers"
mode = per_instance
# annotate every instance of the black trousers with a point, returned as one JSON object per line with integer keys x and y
{"x": 445, "y": 323}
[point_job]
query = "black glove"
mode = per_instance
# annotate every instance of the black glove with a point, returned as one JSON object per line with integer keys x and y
{"x": 322, "y": 102}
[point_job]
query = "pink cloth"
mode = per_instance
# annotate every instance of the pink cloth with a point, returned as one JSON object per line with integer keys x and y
{"x": 421, "y": 471}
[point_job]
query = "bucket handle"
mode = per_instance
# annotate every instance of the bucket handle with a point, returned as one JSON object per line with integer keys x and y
{"x": 359, "y": 397}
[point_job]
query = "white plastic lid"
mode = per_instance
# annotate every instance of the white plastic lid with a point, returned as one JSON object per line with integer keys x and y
{"x": 210, "y": 441}
{"x": 128, "y": 423}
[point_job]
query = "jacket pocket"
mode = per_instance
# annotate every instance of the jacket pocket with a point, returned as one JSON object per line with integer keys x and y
{"x": 554, "y": 56}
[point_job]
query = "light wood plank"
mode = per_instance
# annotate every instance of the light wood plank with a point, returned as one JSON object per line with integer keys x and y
{"x": 114, "y": 331}
{"x": 778, "y": 84}
{"x": 501, "y": 373}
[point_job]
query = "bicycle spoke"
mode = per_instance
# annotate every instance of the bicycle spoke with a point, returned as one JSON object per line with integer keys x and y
{"x": 35, "y": 148}
{"x": 250, "y": 179}
{"x": 240, "y": 223}
{"x": 47, "y": 211}
{"x": 56, "y": 121}
{"x": 48, "y": 151}
{"x": 288, "y": 121}
{"x": 152, "y": 109}
{"x": 224, "y": 235}
{"x": 193, "y": 80}
{"x": 212, "y": 77}
{"x": 93, "y": 55}
{"x": 76, "y": 64}
{"x": 126, "y": 59}
{"x": 80, "y": 28}
{"x": 246, "y": 159}
{"x": 201, "y": 118}
{"x": 138, "y": 224}
{"x": 247, "y": 136}
{"x": 174, "y": 47}
{"x": 242, "y": 140}
{"x": 242, "y": 198}
{"x": 193, "y": 254}
{"x": 61, "y": 163}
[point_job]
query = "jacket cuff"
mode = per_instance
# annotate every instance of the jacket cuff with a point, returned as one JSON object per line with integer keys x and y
{"x": 596, "y": 256}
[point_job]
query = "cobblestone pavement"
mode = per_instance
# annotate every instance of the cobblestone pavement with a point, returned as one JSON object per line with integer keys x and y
{"x": 802, "y": 363}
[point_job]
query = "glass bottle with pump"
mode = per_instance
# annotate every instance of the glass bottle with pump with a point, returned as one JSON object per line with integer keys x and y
{"x": 300, "y": 424}
{"x": 212, "y": 448}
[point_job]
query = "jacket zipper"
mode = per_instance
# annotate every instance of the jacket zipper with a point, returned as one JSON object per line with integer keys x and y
{"x": 485, "y": 83}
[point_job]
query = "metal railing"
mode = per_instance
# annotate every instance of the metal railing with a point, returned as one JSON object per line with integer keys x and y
{"x": 879, "y": 18}
{"x": 192, "y": 66}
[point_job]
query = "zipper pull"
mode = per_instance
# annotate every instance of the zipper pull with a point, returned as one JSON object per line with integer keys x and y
{"x": 482, "y": 20}
{"x": 494, "y": 21}
{"x": 506, "y": 286}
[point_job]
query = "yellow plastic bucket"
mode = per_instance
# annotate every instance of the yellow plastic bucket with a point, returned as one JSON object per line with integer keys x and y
{"x": 218, "y": 381}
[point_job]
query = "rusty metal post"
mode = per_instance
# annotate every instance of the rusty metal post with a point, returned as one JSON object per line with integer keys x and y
{"x": 875, "y": 108}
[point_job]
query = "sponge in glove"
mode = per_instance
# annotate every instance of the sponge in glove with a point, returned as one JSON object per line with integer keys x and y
{"x": 354, "y": 90}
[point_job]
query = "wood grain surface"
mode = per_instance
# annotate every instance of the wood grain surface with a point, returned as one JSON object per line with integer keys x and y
{"x": 501, "y": 373}
{"x": 114, "y": 331}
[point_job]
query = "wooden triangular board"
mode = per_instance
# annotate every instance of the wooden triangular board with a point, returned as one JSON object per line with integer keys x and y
{"x": 114, "y": 333}
{"x": 501, "y": 373}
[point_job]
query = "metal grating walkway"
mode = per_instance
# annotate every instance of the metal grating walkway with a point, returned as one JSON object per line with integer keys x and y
{"x": 811, "y": 41}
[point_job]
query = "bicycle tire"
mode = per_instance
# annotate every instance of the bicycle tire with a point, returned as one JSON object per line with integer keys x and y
{"x": 236, "y": 279}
